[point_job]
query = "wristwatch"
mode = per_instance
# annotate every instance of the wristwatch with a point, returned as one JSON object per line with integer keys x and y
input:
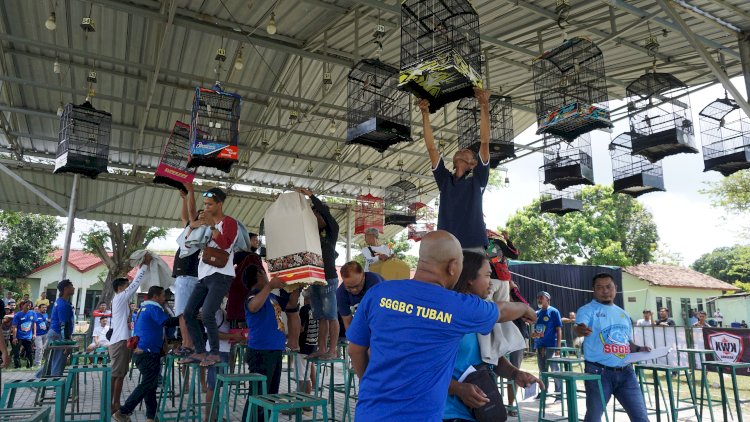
{"x": 212, "y": 228}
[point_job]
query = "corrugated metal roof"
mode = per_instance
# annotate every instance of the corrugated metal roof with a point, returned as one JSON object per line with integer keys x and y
{"x": 283, "y": 73}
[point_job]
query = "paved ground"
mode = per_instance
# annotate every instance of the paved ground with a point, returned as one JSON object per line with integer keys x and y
{"x": 90, "y": 393}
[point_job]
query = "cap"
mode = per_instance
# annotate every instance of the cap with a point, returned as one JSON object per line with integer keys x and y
{"x": 545, "y": 294}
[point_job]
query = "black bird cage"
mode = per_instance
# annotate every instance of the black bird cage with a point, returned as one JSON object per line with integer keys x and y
{"x": 501, "y": 127}
{"x": 555, "y": 201}
{"x": 214, "y": 129}
{"x": 173, "y": 170}
{"x": 633, "y": 175}
{"x": 378, "y": 113}
{"x": 83, "y": 140}
{"x": 725, "y": 130}
{"x": 399, "y": 202}
{"x": 568, "y": 164}
{"x": 440, "y": 50}
{"x": 659, "y": 113}
{"x": 571, "y": 90}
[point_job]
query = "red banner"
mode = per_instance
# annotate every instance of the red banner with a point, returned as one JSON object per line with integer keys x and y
{"x": 730, "y": 345}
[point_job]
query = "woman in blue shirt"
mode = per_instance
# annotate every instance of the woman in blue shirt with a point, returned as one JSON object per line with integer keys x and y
{"x": 462, "y": 397}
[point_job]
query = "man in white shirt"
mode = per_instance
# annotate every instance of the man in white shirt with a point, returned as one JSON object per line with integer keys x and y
{"x": 647, "y": 319}
{"x": 719, "y": 318}
{"x": 99, "y": 336}
{"x": 374, "y": 252}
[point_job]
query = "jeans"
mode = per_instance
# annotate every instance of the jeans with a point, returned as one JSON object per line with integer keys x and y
{"x": 323, "y": 300}
{"x": 40, "y": 343}
{"x": 268, "y": 363}
{"x": 542, "y": 354}
{"x": 208, "y": 294}
{"x": 57, "y": 358}
{"x": 149, "y": 364}
{"x": 623, "y": 385}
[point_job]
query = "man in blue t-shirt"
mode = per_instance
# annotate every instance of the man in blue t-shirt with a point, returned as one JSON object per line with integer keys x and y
{"x": 60, "y": 327}
{"x": 608, "y": 339}
{"x": 24, "y": 331}
{"x": 460, "y": 212}
{"x": 547, "y": 333}
{"x": 405, "y": 335}
{"x": 355, "y": 283}
{"x": 41, "y": 324}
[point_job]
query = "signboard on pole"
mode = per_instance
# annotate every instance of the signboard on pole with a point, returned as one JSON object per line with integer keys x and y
{"x": 730, "y": 344}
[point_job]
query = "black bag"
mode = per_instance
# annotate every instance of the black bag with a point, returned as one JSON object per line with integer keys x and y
{"x": 109, "y": 334}
{"x": 486, "y": 380}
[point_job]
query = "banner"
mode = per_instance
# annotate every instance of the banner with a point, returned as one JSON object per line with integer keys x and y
{"x": 730, "y": 344}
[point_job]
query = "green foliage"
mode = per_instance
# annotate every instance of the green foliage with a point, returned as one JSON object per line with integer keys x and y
{"x": 612, "y": 229}
{"x": 730, "y": 264}
{"x": 731, "y": 193}
{"x": 664, "y": 255}
{"x": 25, "y": 243}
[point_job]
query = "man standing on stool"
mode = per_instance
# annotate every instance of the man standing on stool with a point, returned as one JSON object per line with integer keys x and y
{"x": 547, "y": 333}
{"x": 605, "y": 352}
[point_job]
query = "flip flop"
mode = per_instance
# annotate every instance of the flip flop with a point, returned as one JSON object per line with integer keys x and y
{"x": 190, "y": 359}
{"x": 210, "y": 360}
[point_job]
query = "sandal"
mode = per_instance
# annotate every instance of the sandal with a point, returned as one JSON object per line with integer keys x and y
{"x": 210, "y": 360}
{"x": 183, "y": 352}
{"x": 512, "y": 413}
{"x": 194, "y": 358}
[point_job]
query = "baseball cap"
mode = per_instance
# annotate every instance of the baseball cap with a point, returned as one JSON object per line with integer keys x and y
{"x": 545, "y": 294}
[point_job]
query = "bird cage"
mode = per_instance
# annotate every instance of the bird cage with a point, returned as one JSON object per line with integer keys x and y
{"x": 378, "y": 114}
{"x": 633, "y": 175}
{"x": 83, "y": 140}
{"x": 571, "y": 90}
{"x": 173, "y": 170}
{"x": 214, "y": 128}
{"x": 368, "y": 213}
{"x": 659, "y": 113}
{"x": 568, "y": 164}
{"x": 556, "y": 201}
{"x": 425, "y": 216}
{"x": 501, "y": 127}
{"x": 399, "y": 199}
{"x": 725, "y": 130}
{"x": 440, "y": 50}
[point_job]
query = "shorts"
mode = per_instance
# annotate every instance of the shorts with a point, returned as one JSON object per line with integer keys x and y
{"x": 516, "y": 358}
{"x": 300, "y": 361}
{"x": 323, "y": 300}
{"x": 213, "y": 370}
{"x": 183, "y": 288}
{"x": 119, "y": 356}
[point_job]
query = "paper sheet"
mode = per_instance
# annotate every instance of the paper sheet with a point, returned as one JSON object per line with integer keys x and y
{"x": 653, "y": 354}
{"x": 531, "y": 391}
{"x": 466, "y": 373}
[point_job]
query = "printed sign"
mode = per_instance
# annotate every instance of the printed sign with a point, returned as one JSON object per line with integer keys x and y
{"x": 730, "y": 345}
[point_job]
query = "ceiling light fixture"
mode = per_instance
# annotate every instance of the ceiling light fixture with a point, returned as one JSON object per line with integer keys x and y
{"x": 238, "y": 63}
{"x": 271, "y": 27}
{"x": 60, "y": 109}
{"x": 51, "y": 22}
{"x": 56, "y": 67}
{"x": 332, "y": 127}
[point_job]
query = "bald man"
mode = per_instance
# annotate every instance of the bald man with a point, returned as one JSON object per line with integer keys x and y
{"x": 405, "y": 335}
{"x": 460, "y": 211}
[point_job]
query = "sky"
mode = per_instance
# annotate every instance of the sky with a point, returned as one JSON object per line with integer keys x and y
{"x": 687, "y": 223}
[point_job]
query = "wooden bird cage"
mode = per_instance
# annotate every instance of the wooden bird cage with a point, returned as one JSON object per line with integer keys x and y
{"x": 378, "y": 114}
{"x": 368, "y": 213}
{"x": 568, "y": 164}
{"x": 83, "y": 140}
{"x": 571, "y": 90}
{"x": 660, "y": 116}
{"x": 425, "y": 221}
{"x": 501, "y": 127}
{"x": 725, "y": 130}
{"x": 633, "y": 175}
{"x": 560, "y": 202}
{"x": 440, "y": 50}
{"x": 214, "y": 129}
{"x": 398, "y": 200}
{"x": 173, "y": 170}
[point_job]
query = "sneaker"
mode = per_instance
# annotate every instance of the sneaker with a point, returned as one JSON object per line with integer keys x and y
{"x": 120, "y": 417}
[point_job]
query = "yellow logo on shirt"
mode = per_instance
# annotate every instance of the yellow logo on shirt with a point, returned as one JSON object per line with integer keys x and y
{"x": 545, "y": 319}
{"x": 421, "y": 311}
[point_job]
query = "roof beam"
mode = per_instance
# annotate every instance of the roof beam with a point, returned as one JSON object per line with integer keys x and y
{"x": 32, "y": 189}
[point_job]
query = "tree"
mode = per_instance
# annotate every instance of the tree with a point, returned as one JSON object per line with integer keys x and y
{"x": 730, "y": 264}
{"x": 114, "y": 246}
{"x": 666, "y": 256}
{"x": 731, "y": 193}
{"x": 25, "y": 244}
{"x": 611, "y": 229}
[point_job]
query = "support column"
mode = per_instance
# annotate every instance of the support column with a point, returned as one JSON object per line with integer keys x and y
{"x": 743, "y": 39}
{"x": 348, "y": 233}
{"x": 69, "y": 227}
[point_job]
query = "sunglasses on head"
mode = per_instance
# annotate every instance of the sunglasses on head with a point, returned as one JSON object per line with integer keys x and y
{"x": 208, "y": 194}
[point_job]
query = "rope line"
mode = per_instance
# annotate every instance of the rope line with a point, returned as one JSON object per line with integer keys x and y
{"x": 572, "y": 288}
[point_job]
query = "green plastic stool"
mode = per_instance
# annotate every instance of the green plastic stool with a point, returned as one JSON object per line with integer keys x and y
{"x": 26, "y": 414}
{"x": 501, "y": 383}
{"x": 194, "y": 395}
{"x": 71, "y": 390}
{"x": 567, "y": 351}
{"x": 291, "y": 361}
{"x": 237, "y": 358}
{"x": 168, "y": 391}
{"x": 223, "y": 389}
{"x": 566, "y": 364}
{"x": 569, "y": 380}
{"x": 674, "y": 404}
{"x": 82, "y": 358}
{"x": 732, "y": 368}
{"x": 702, "y": 356}
{"x": 332, "y": 386}
{"x": 57, "y": 383}
{"x": 277, "y": 403}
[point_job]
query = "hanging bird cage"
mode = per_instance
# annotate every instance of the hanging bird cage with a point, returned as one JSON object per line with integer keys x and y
{"x": 214, "y": 129}
{"x": 83, "y": 140}
{"x": 633, "y": 175}
{"x": 425, "y": 216}
{"x": 399, "y": 199}
{"x": 440, "y": 50}
{"x": 173, "y": 170}
{"x": 501, "y": 127}
{"x": 568, "y": 164}
{"x": 725, "y": 130}
{"x": 556, "y": 201}
{"x": 571, "y": 90}
{"x": 368, "y": 213}
{"x": 659, "y": 113}
{"x": 378, "y": 114}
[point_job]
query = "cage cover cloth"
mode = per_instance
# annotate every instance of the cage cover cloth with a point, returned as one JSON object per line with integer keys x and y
{"x": 293, "y": 242}
{"x": 441, "y": 80}
{"x": 173, "y": 170}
